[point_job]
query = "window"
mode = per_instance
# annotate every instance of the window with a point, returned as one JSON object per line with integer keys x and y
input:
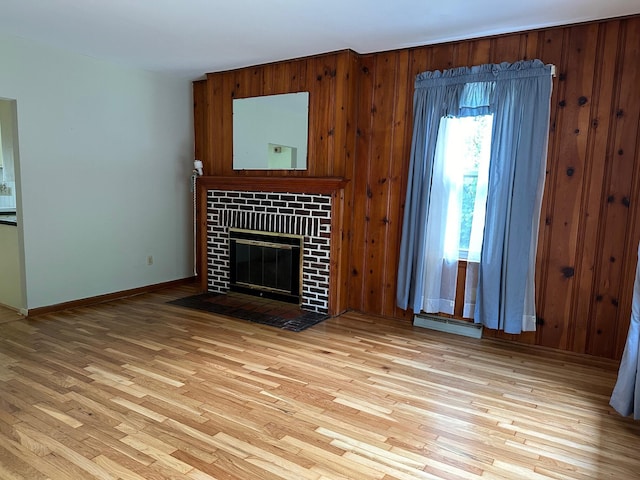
{"x": 465, "y": 152}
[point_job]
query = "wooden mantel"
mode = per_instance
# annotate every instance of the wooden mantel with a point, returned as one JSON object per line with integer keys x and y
{"x": 319, "y": 185}
{"x": 333, "y": 186}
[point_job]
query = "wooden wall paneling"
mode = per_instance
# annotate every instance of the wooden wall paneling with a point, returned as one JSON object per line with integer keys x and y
{"x": 587, "y": 73}
{"x": 200, "y": 118}
{"x": 480, "y": 52}
{"x": 442, "y": 57}
{"x": 633, "y": 238}
{"x": 559, "y": 244}
{"x": 378, "y": 259}
{"x": 419, "y": 61}
{"x": 550, "y": 50}
{"x": 631, "y": 258}
{"x": 360, "y": 176}
{"x": 396, "y": 179}
{"x": 343, "y": 132}
{"x": 607, "y": 316}
{"x": 630, "y": 261}
{"x": 276, "y": 78}
{"x": 572, "y": 127}
{"x": 337, "y": 304}
{"x": 532, "y": 43}
{"x": 592, "y": 196}
{"x": 322, "y": 75}
{"x": 225, "y": 137}
{"x": 345, "y": 139}
{"x": 213, "y": 162}
{"x": 248, "y": 82}
{"x": 506, "y": 48}
{"x": 462, "y": 52}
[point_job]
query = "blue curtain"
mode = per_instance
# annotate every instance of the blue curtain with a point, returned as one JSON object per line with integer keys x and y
{"x": 518, "y": 95}
{"x": 626, "y": 394}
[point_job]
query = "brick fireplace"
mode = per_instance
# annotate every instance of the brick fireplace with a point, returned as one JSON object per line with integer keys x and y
{"x": 286, "y": 213}
{"x": 301, "y": 207}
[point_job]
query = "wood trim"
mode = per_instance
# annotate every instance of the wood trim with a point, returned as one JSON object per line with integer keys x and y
{"x": 83, "y": 302}
{"x": 319, "y": 185}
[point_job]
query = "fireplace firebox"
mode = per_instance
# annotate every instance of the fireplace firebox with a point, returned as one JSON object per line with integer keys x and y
{"x": 265, "y": 264}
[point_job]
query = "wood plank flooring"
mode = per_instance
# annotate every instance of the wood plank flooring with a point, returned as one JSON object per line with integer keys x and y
{"x": 138, "y": 389}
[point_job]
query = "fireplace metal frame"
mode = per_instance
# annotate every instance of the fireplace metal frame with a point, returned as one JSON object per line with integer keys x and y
{"x": 294, "y": 243}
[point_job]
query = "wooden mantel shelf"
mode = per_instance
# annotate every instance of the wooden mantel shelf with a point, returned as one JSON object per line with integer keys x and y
{"x": 318, "y": 185}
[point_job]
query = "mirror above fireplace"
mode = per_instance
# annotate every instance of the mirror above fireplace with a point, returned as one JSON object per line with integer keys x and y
{"x": 271, "y": 132}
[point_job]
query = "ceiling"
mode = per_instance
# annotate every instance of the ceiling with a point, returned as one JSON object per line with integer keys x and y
{"x": 193, "y": 37}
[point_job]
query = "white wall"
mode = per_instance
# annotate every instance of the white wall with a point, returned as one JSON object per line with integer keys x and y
{"x": 105, "y": 154}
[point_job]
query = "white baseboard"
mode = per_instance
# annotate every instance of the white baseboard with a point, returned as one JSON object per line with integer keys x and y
{"x": 448, "y": 325}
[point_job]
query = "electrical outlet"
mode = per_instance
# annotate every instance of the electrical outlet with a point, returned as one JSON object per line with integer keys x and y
{"x": 150, "y": 260}
{"x": 5, "y": 190}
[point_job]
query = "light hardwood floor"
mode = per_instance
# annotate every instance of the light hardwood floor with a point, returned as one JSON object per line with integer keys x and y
{"x": 138, "y": 389}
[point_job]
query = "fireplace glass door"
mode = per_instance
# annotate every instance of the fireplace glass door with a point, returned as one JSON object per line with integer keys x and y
{"x": 265, "y": 264}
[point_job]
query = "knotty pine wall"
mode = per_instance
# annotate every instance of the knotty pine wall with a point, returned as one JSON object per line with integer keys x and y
{"x": 589, "y": 230}
{"x": 331, "y": 81}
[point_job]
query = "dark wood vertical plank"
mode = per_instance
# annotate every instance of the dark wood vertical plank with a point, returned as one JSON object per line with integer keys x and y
{"x": 633, "y": 238}
{"x": 461, "y": 54}
{"x": 480, "y": 52}
{"x": 214, "y": 165}
{"x": 552, "y": 52}
{"x": 343, "y": 108}
{"x": 360, "y": 177}
{"x": 200, "y": 120}
{"x": 419, "y": 60}
{"x": 321, "y": 113}
{"x": 621, "y": 171}
{"x": 398, "y": 164}
{"x": 584, "y": 296}
{"x": 550, "y": 49}
{"x": 345, "y": 141}
{"x": 382, "y": 137}
{"x": 506, "y": 49}
{"x": 248, "y": 82}
{"x": 531, "y": 47}
{"x": 224, "y": 137}
{"x": 442, "y": 57}
{"x": 568, "y": 170}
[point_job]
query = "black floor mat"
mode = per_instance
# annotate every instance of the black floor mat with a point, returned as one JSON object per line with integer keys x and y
{"x": 254, "y": 309}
